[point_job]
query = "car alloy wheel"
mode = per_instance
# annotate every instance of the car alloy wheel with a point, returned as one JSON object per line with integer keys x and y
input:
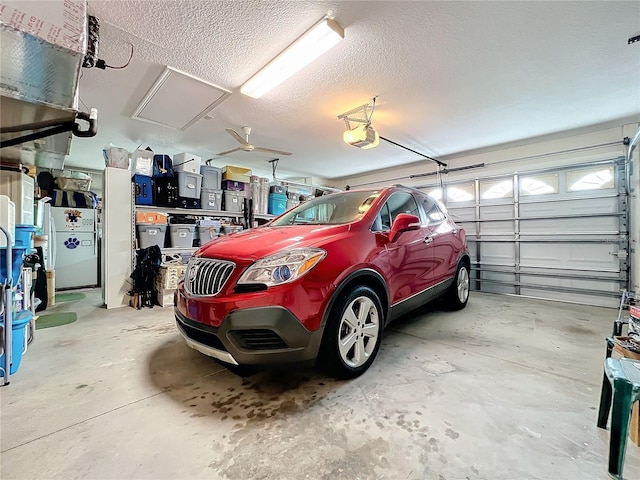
{"x": 462, "y": 284}
{"x": 458, "y": 293}
{"x": 358, "y": 332}
{"x": 353, "y": 333}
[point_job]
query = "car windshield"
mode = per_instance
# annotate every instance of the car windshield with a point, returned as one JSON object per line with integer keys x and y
{"x": 334, "y": 209}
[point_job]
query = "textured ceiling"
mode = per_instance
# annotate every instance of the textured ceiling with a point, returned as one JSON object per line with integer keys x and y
{"x": 451, "y": 76}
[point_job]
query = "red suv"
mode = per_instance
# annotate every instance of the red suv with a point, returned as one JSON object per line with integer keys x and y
{"x": 322, "y": 280}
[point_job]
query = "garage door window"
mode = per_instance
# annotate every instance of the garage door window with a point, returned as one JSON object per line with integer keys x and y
{"x": 461, "y": 193}
{"x": 590, "y": 179}
{"x": 539, "y": 184}
{"x": 491, "y": 190}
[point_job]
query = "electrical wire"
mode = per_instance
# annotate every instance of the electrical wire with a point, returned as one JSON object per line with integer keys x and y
{"x": 102, "y": 64}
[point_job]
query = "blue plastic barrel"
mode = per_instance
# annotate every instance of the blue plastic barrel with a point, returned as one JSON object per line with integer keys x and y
{"x": 16, "y": 264}
{"x": 24, "y": 233}
{"x": 18, "y": 340}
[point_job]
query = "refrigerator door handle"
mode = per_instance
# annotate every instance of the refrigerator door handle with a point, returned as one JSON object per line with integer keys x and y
{"x": 53, "y": 247}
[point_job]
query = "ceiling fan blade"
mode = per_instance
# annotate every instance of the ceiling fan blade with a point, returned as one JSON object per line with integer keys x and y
{"x": 228, "y": 151}
{"x": 237, "y": 136}
{"x": 271, "y": 150}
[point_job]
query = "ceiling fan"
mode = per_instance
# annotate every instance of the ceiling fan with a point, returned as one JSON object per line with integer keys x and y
{"x": 245, "y": 146}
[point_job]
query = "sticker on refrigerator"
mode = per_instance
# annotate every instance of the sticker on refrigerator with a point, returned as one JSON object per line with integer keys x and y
{"x": 73, "y": 218}
{"x": 71, "y": 243}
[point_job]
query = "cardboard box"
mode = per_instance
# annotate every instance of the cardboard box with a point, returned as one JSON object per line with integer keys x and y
{"x": 153, "y": 218}
{"x": 165, "y": 297}
{"x": 236, "y": 174}
{"x": 60, "y": 23}
{"x": 168, "y": 276}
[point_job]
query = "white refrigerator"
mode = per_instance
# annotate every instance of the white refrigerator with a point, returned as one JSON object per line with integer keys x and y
{"x": 76, "y": 247}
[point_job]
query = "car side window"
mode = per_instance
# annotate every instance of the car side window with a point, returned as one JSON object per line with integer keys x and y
{"x": 432, "y": 212}
{"x": 383, "y": 220}
{"x": 399, "y": 202}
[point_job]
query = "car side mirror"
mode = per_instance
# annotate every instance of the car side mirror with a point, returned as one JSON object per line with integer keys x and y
{"x": 403, "y": 223}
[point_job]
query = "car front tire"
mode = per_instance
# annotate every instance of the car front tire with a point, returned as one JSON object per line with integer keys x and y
{"x": 353, "y": 333}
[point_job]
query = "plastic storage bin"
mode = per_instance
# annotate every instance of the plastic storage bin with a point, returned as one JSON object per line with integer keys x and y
{"x": 207, "y": 233}
{"x": 165, "y": 192}
{"x": 189, "y": 184}
{"x": 151, "y": 234}
{"x": 235, "y": 186}
{"x": 211, "y": 199}
{"x": 233, "y": 201}
{"x": 277, "y": 203}
{"x": 278, "y": 189}
{"x": 142, "y": 162}
{"x": 182, "y": 235}
{"x": 19, "y": 324}
{"x": 188, "y": 202}
{"x": 211, "y": 177}
{"x": 144, "y": 190}
{"x": 186, "y": 162}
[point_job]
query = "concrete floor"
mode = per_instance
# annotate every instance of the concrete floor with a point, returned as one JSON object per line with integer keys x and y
{"x": 506, "y": 389}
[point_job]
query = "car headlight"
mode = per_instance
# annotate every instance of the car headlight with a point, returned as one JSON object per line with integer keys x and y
{"x": 282, "y": 267}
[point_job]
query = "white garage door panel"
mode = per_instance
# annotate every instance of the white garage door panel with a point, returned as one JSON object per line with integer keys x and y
{"x": 498, "y": 253}
{"x": 607, "y": 225}
{"x": 497, "y": 282}
{"x": 492, "y": 212}
{"x": 597, "y": 300}
{"x": 569, "y": 283}
{"x": 462, "y": 214}
{"x": 574, "y": 257}
{"x": 570, "y": 207}
{"x": 471, "y": 244}
{"x": 495, "y": 212}
{"x": 567, "y": 255}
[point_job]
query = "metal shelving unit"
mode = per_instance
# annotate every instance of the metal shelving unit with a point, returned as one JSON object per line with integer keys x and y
{"x": 199, "y": 212}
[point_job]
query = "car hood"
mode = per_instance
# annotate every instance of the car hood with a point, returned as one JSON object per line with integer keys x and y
{"x": 259, "y": 242}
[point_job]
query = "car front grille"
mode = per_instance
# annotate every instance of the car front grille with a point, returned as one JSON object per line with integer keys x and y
{"x": 258, "y": 339}
{"x": 205, "y": 276}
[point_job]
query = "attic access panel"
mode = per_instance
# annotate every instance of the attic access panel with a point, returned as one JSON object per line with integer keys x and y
{"x": 178, "y": 100}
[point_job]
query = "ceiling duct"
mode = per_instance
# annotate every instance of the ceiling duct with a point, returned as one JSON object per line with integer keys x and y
{"x": 176, "y": 100}
{"x": 43, "y": 44}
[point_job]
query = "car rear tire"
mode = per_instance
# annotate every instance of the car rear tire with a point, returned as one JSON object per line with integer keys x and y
{"x": 353, "y": 333}
{"x": 458, "y": 293}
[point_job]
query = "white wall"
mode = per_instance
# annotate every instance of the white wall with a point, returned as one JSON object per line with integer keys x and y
{"x": 537, "y": 154}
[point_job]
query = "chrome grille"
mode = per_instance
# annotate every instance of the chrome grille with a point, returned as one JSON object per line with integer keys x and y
{"x": 205, "y": 276}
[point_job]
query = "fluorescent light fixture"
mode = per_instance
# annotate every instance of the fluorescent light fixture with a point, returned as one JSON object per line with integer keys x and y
{"x": 313, "y": 43}
{"x": 362, "y": 136}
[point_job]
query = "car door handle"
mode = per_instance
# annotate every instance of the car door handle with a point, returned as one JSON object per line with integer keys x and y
{"x": 428, "y": 240}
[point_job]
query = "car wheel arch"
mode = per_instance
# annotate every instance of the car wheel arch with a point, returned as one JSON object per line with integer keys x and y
{"x": 365, "y": 276}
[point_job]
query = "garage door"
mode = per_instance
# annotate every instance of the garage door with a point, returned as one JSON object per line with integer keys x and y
{"x": 556, "y": 233}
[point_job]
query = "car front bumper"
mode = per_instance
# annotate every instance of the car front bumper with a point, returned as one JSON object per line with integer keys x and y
{"x": 254, "y": 336}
